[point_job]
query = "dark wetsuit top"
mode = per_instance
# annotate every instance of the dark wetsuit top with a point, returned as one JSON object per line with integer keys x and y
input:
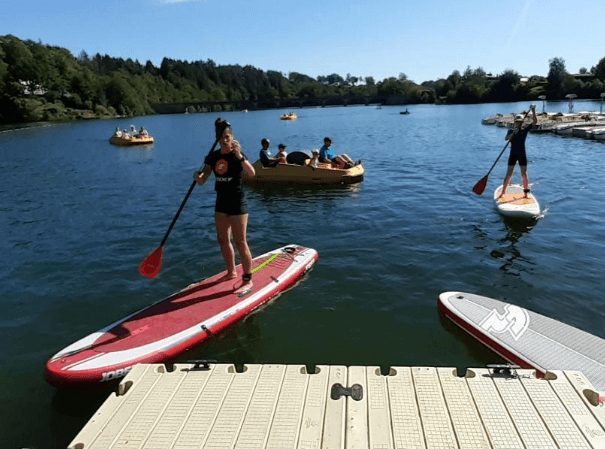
{"x": 517, "y": 146}
{"x": 228, "y": 182}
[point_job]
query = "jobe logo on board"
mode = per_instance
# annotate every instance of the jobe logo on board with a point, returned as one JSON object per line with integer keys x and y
{"x": 111, "y": 375}
{"x": 514, "y": 320}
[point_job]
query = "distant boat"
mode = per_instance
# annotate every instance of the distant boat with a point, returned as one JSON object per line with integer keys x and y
{"x": 406, "y": 112}
{"x": 123, "y": 138}
{"x": 289, "y": 116}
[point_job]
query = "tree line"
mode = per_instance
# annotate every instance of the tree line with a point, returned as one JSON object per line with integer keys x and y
{"x": 41, "y": 82}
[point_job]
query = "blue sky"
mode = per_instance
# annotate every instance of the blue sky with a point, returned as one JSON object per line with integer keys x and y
{"x": 381, "y": 38}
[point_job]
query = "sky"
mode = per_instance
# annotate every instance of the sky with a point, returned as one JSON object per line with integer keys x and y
{"x": 426, "y": 39}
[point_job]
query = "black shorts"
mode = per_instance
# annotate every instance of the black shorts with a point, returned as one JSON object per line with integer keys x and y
{"x": 519, "y": 157}
{"x": 231, "y": 204}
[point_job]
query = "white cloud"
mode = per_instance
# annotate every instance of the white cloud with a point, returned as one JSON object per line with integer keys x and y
{"x": 521, "y": 20}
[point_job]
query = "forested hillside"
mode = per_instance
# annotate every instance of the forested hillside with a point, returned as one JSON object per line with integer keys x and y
{"x": 41, "y": 82}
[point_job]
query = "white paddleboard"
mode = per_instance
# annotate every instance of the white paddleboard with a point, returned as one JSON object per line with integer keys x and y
{"x": 526, "y": 338}
{"x": 514, "y": 204}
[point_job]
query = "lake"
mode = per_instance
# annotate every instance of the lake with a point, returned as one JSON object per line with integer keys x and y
{"x": 78, "y": 215}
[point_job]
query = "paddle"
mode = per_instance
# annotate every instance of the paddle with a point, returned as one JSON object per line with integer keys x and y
{"x": 479, "y": 187}
{"x": 151, "y": 265}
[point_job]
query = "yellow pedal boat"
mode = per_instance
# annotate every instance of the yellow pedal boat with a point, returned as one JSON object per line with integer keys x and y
{"x": 131, "y": 140}
{"x": 306, "y": 174}
{"x": 289, "y": 116}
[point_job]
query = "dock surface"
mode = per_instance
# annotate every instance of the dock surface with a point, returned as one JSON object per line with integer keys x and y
{"x": 283, "y": 406}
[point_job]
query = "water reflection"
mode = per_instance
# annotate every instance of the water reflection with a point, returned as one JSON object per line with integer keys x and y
{"x": 299, "y": 199}
{"x": 268, "y": 192}
{"x": 511, "y": 255}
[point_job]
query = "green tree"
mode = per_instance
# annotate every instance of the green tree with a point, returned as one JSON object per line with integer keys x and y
{"x": 556, "y": 78}
{"x": 599, "y": 69}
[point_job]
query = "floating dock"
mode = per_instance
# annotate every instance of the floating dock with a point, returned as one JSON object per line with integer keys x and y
{"x": 588, "y": 125}
{"x": 336, "y": 407}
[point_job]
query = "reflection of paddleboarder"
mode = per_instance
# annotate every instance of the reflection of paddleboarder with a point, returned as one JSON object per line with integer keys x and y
{"x": 516, "y": 137}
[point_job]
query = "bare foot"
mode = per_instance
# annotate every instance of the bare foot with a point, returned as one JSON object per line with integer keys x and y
{"x": 227, "y": 276}
{"x": 244, "y": 288}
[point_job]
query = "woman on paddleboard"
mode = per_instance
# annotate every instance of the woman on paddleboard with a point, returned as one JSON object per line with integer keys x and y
{"x": 230, "y": 212}
{"x": 517, "y": 137}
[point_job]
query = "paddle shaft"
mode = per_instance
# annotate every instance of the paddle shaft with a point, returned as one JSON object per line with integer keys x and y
{"x": 178, "y": 212}
{"x": 498, "y": 158}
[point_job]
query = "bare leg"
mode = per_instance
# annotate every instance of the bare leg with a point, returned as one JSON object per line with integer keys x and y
{"x": 346, "y": 158}
{"x": 509, "y": 174}
{"x": 223, "y": 235}
{"x": 340, "y": 162}
{"x": 525, "y": 180}
{"x": 239, "y": 225}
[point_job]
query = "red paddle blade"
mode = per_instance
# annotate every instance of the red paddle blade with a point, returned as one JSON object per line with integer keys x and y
{"x": 150, "y": 267}
{"x": 480, "y": 186}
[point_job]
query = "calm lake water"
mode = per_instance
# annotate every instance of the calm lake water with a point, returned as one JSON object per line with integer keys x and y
{"x": 78, "y": 215}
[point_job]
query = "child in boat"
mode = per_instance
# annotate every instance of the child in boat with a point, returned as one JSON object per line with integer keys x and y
{"x": 326, "y": 156}
{"x": 281, "y": 154}
{"x": 314, "y": 162}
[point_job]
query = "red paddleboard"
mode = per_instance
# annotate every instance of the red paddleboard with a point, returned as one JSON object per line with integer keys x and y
{"x": 167, "y": 328}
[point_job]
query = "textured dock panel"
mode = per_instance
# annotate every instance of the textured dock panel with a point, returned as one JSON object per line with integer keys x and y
{"x": 357, "y": 411}
{"x": 405, "y": 417}
{"x": 262, "y": 408}
{"x": 562, "y": 427}
{"x": 313, "y": 415}
{"x": 438, "y": 431}
{"x": 465, "y": 419}
{"x": 131, "y": 406}
{"x": 530, "y": 426}
{"x": 587, "y": 394}
{"x": 576, "y": 408}
{"x": 500, "y": 429}
{"x": 284, "y": 407}
{"x": 286, "y": 422}
{"x": 334, "y": 420}
{"x": 214, "y": 385}
{"x": 228, "y": 423}
{"x": 379, "y": 416}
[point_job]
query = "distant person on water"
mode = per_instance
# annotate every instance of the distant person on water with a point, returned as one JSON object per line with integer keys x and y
{"x": 326, "y": 155}
{"x": 230, "y": 212}
{"x": 265, "y": 154}
{"x": 517, "y": 136}
{"x": 117, "y": 132}
{"x": 281, "y": 154}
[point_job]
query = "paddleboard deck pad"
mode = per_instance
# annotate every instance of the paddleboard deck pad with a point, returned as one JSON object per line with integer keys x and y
{"x": 169, "y": 327}
{"x": 526, "y": 338}
{"x": 514, "y": 204}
